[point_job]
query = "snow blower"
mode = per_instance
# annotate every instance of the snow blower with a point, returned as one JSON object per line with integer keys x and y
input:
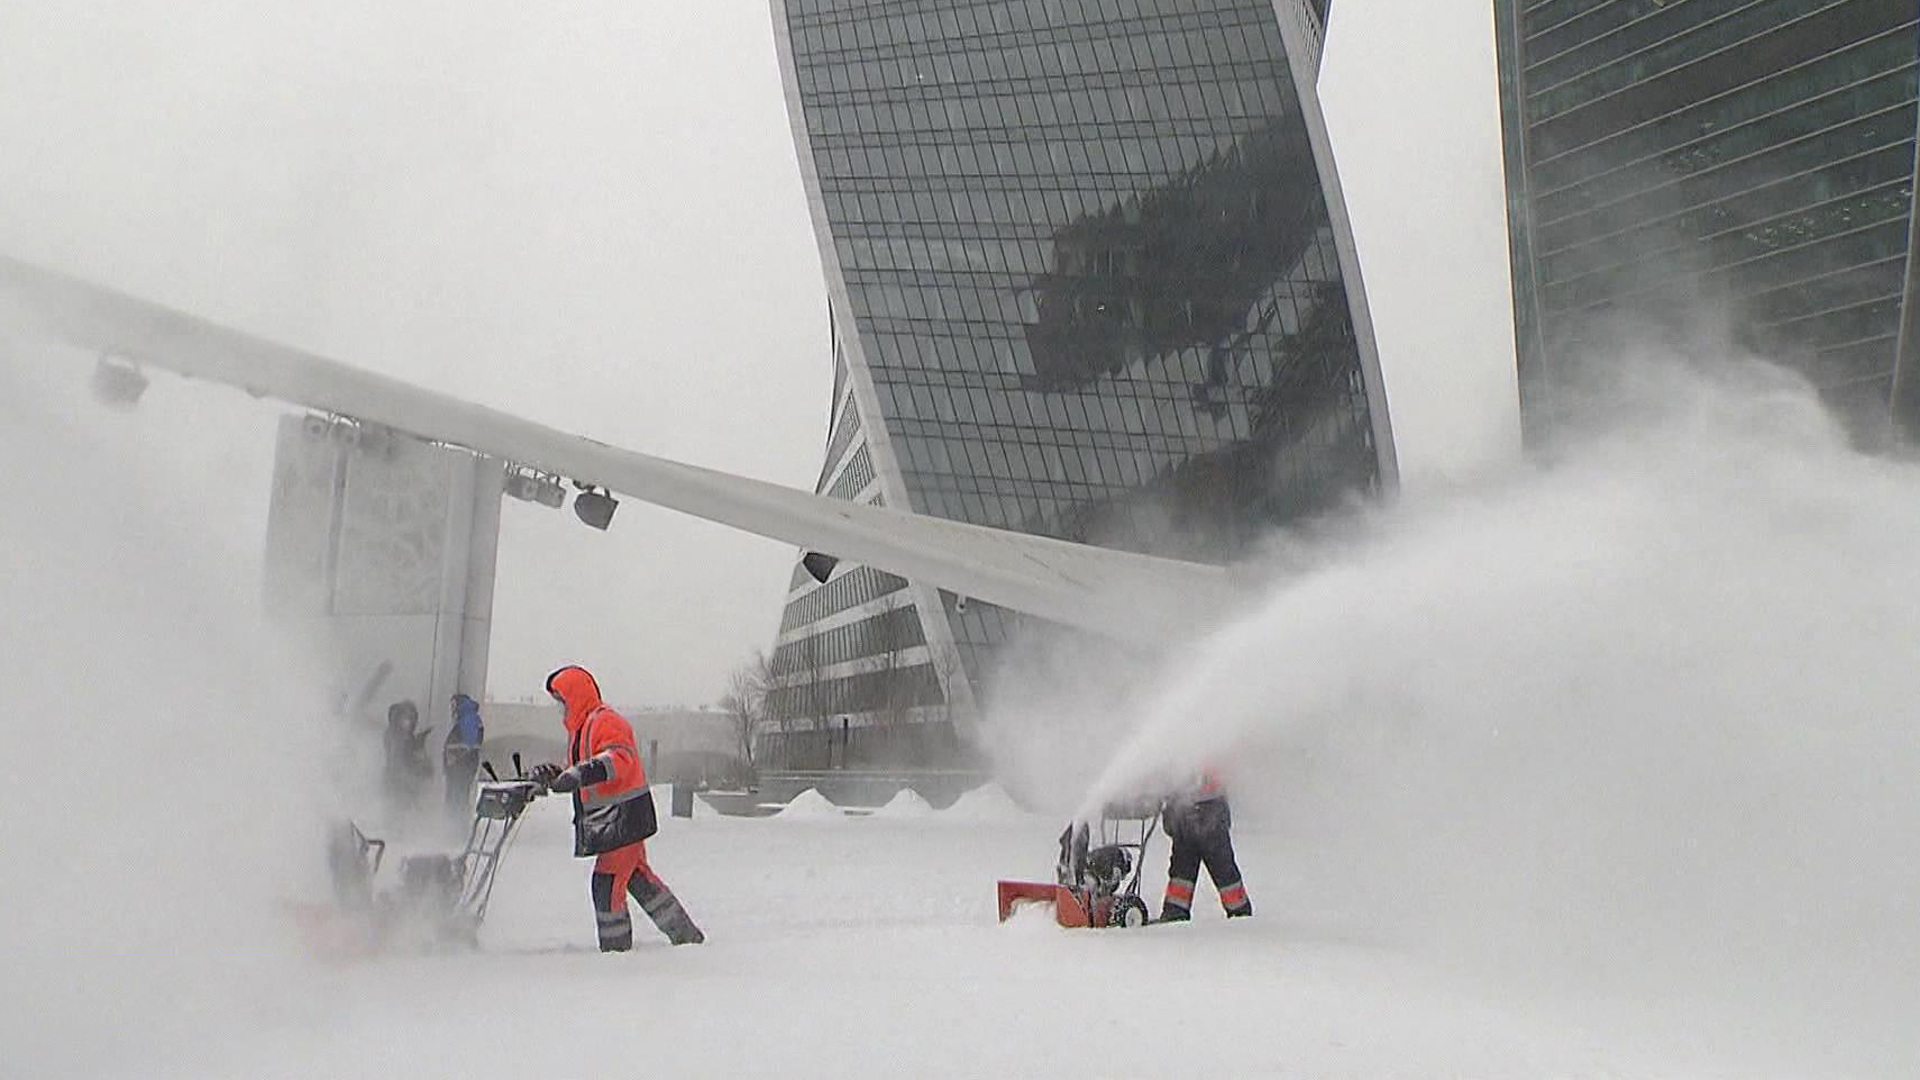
{"x": 440, "y": 899}
{"x": 1095, "y": 884}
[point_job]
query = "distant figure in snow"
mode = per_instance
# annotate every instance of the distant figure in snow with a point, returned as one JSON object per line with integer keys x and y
{"x": 460, "y": 757}
{"x": 1200, "y": 824}
{"x": 613, "y": 814}
{"x": 407, "y": 766}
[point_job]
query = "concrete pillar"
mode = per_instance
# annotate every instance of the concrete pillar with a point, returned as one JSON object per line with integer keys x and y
{"x": 384, "y": 546}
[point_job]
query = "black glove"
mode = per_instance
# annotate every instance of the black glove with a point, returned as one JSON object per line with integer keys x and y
{"x": 544, "y": 775}
{"x": 568, "y": 780}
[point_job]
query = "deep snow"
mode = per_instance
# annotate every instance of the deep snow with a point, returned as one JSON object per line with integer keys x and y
{"x": 868, "y": 947}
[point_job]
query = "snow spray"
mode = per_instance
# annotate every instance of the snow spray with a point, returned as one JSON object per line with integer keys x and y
{"x": 1635, "y": 720}
{"x": 158, "y": 736}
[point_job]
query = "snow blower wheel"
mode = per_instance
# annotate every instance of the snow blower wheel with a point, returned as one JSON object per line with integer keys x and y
{"x": 1128, "y": 911}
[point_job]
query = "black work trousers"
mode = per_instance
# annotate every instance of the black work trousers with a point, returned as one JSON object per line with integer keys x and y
{"x": 460, "y": 766}
{"x": 1202, "y": 834}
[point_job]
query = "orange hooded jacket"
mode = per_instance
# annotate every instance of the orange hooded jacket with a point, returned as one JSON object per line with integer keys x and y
{"x": 613, "y": 807}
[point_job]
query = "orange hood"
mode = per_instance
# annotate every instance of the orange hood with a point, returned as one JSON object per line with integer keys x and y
{"x": 575, "y": 687}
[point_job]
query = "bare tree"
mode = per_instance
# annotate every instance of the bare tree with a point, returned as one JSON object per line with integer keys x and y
{"x": 888, "y": 674}
{"x": 747, "y": 700}
{"x": 887, "y": 642}
{"x": 949, "y": 668}
{"x": 814, "y": 678}
{"x": 790, "y": 678}
{"x": 797, "y": 694}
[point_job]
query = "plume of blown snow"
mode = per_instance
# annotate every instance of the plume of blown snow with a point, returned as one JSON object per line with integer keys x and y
{"x": 1061, "y": 702}
{"x": 164, "y": 741}
{"x": 1636, "y": 716}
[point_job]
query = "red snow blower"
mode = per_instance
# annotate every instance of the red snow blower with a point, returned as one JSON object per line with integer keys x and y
{"x": 1095, "y": 885}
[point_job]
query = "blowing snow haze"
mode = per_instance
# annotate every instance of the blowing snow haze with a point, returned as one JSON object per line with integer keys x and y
{"x": 165, "y": 741}
{"x": 1610, "y": 754}
{"x": 1622, "y": 736}
{"x": 1634, "y": 720}
{"x": 586, "y": 214}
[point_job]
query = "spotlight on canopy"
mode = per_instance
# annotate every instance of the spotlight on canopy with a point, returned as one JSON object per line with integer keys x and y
{"x": 595, "y": 508}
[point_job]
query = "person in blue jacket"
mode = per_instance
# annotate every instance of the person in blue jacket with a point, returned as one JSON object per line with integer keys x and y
{"x": 460, "y": 757}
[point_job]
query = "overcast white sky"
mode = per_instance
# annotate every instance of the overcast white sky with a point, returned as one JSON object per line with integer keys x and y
{"x": 588, "y": 212}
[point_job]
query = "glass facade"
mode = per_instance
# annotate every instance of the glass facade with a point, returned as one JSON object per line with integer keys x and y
{"x": 1086, "y": 282}
{"x": 1757, "y": 153}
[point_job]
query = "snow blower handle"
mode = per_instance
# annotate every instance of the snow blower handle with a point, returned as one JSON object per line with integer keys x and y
{"x": 518, "y": 772}
{"x": 491, "y": 775}
{"x": 544, "y": 775}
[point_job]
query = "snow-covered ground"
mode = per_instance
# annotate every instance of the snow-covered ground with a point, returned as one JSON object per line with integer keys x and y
{"x": 868, "y": 947}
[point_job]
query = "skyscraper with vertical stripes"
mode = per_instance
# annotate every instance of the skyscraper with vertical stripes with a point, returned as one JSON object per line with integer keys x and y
{"x": 1090, "y": 276}
{"x": 1748, "y": 156}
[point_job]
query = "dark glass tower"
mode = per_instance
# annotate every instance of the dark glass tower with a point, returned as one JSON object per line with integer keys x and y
{"x": 1757, "y": 154}
{"x": 1090, "y": 278}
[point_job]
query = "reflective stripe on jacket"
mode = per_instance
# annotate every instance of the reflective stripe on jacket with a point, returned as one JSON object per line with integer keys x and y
{"x": 606, "y": 737}
{"x": 619, "y": 810}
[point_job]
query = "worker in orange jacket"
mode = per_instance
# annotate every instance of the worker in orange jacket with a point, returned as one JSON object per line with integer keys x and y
{"x": 613, "y": 814}
{"x": 1200, "y": 824}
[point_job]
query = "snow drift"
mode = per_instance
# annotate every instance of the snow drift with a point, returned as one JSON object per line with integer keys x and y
{"x": 987, "y": 804}
{"x": 906, "y": 803}
{"x": 810, "y": 805}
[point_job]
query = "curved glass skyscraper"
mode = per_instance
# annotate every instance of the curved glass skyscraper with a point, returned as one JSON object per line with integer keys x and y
{"x": 1089, "y": 277}
{"x": 1756, "y": 156}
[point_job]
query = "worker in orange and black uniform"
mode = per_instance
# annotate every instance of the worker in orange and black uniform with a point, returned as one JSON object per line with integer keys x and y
{"x": 1200, "y": 824}
{"x": 613, "y": 814}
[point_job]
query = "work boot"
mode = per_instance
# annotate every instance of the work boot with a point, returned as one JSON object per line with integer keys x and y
{"x": 1170, "y": 913}
{"x": 675, "y": 923}
{"x": 665, "y": 910}
{"x": 616, "y": 931}
{"x": 680, "y": 930}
